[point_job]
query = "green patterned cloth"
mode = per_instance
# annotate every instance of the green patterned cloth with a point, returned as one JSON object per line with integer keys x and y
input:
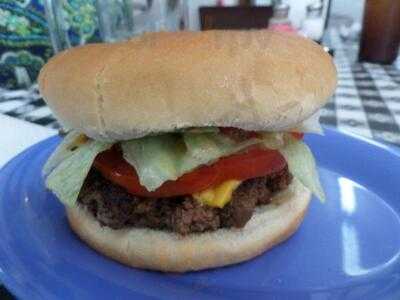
{"x": 24, "y": 37}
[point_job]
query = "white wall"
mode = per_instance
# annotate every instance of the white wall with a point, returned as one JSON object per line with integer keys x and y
{"x": 298, "y": 10}
{"x": 353, "y": 9}
{"x": 193, "y": 12}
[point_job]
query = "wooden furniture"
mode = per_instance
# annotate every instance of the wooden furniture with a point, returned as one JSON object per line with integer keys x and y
{"x": 235, "y": 17}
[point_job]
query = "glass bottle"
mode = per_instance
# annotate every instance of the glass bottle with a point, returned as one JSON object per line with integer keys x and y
{"x": 280, "y": 19}
{"x": 313, "y": 25}
{"x": 380, "y": 36}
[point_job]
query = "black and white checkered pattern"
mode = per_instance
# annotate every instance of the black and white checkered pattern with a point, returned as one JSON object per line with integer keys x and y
{"x": 366, "y": 102}
{"x": 367, "y": 99}
{"x": 27, "y": 105}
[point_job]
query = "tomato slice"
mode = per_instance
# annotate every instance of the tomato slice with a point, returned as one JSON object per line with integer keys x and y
{"x": 251, "y": 163}
{"x": 297, "y": 135}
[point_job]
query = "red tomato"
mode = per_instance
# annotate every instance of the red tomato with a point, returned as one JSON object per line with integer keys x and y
{"x": 254, "y": 162}
{"x": 297, "y": 135}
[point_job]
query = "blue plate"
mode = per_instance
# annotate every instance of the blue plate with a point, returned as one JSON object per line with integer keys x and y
{"x": 347, "y": 248}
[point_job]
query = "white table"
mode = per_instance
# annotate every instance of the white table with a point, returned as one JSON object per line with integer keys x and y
{"x": 17, "y": 135}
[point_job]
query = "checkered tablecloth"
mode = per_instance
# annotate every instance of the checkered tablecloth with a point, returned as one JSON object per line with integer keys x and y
{"x": 367, "y": 98}
{"x": 366, "y": 102}
{"x": 27, "y": 105}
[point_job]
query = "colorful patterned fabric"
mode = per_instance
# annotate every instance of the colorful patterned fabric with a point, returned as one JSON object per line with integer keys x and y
{"x": 24, "y": 36}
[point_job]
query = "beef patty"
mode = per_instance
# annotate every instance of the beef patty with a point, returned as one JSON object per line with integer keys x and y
{"x": 112, "y": 206}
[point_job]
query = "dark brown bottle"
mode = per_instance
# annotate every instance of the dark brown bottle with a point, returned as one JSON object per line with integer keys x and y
{"x": 380, "y": 36}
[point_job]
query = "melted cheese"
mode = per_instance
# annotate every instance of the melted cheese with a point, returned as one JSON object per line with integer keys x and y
{"x": 218, "y": 196}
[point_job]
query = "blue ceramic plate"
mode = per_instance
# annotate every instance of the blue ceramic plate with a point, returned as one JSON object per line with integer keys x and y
{"x": 347, "y": 248}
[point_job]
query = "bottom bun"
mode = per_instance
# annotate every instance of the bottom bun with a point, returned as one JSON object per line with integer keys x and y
{"x": 170, "y": 252}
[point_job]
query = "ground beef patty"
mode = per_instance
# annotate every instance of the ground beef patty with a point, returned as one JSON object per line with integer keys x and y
{"x": 112, "y": 206}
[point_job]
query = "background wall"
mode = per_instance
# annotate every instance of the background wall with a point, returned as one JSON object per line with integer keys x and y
{"x": 353, "y": 9}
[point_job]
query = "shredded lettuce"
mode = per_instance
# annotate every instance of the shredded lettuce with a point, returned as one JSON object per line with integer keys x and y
{"x": 302, "y": 165}
{"x": 310, "y": 125}
{"x": 63, "y": 151}
{"x": 272, "y": 140}
{"x": 206, "y": 148}
{"x": 160, "y": 158}
{"x": 67, "y": 178}
{"x": 157, "y": 159}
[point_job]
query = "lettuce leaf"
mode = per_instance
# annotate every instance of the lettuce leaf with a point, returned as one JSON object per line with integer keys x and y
{"x": 272, "y": 140}
{"x": 206, "y": 148}
{"x": 63, "y": 151}
{"x": 67, "y": 178}
{"x": 157, "y": 159}
{"x": 302, "y": 165}
{"x": 310, "y": 125}
{"x": 160, "y": 158}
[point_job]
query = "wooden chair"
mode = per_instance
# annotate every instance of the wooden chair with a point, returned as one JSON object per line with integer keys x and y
{"x": 235, "y": 17}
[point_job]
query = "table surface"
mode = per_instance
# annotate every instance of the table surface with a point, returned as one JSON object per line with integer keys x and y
{"x": 366, "y": 102}
{"x": 367, "y": 98}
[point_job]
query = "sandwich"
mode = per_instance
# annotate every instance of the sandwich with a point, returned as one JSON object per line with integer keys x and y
{"x": 185, "y": 150}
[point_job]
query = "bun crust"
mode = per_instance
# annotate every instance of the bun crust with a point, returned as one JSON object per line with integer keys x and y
{"x": 254, "y": 80}
{"x": 169, "y": 252}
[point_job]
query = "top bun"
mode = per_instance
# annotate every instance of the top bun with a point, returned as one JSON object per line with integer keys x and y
{"x": 159, "y": 82}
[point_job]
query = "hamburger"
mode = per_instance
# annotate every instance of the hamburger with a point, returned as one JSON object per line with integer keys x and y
{"x": 184, "y": 150}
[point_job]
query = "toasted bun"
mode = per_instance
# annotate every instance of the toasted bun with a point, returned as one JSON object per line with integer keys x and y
{"x": 164, "y": 251}
{"x": 254, "y": 80}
